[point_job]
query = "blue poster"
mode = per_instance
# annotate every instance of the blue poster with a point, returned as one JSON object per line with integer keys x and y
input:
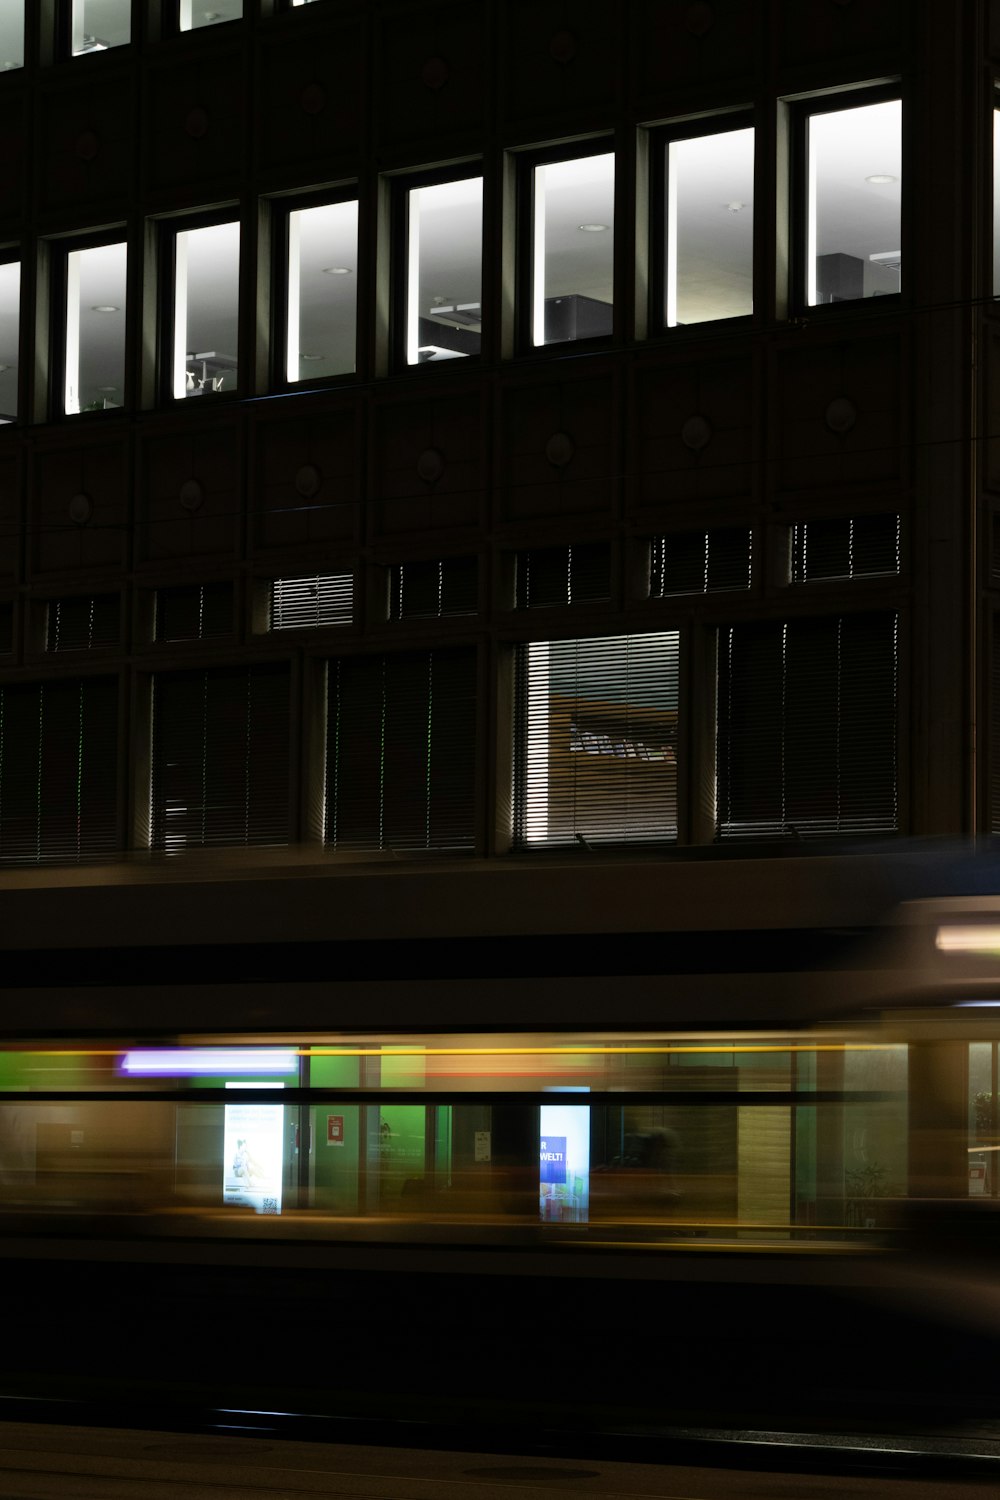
{"x": 552, "y": 1159}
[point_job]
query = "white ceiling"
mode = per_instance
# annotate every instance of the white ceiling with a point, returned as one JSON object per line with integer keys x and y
{"x": 196, "y": 13}
{"x": 108, "y": 21}
{"x": 11, "y": 35}
{"x": 10, "y": 283}
{"x": 327, "y": 238}
{"x": 102, "y": 283}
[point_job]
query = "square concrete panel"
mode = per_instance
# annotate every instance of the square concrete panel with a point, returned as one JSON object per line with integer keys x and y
{"x": 557, "y": 57}
{"x": 826, "y": 29}
{"x": 191, "y": 493}
{"x": 196, "y": 124}
{"x": 432, "y": 64}
{"x": 676, "y": 47}
{"x": 13, "y": 135}
{"x": 838, "y": 414}
{"x": 428, "y": 463}
{"x": 312, "y": 100}
{"x": 693, "y": 432}
{"x": 79, "y": 514}
{"x": 88, "y": 144}
{"x": 305, "y": 480}
{"x": 559, "y": 451}
{"x": 10, "y": 517}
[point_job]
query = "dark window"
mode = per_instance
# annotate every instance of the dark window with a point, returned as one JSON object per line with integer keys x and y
{"x": 547, "y": 577}
{"x": 194, "y": 612}
{"x": 58, "y": 770}
{"x": 220, "y": 757}
{"x": 6, "y": 627}
{"x": 807, "y": 728}
{"x": 84, "y": 623}
{"x": 848, "y": 547}
{"x": 401, "y": 751}
{"x": 595, "y": 757}
{"x": 310, "y": 603}
{"x": 430, "y": 590}
{"x": 699, "y": 562}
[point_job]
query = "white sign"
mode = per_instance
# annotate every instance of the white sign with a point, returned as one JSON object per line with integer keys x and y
{"x": 253, "y": 1153}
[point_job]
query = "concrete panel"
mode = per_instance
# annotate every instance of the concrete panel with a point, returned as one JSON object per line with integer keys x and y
{"x": 838, "y": 414}
{"x": 428, "y": 464}
{"x": 433, "y": 70}
{"x": 79, "y": 508}
{"x": 821, "y": 30}
{"x": 692, "y": 432}
{"x": 10, "y": 517}
{"x": 305, "y": 480}
{"x": 191, "y": 492}
{"x": 676, "y": 48}
{"x": 558, "y": 57}
{"x": 312, "y": 98}
{"x": 87, "y": 145}
{"x": 196, "y": 126}
{"x": 559, "y": 449}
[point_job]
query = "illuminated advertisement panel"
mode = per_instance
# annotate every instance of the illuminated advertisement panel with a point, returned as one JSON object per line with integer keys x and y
{"x": 253, "y": 1153}
{"x": 564, "y": 1163}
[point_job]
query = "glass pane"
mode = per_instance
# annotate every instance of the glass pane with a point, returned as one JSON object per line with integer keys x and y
{"x": 322, "y": 291}
{"x": 206, "y": 306}
{"x": 95, "y": 328}
{"x": 444, "y": 271}
{"x": 10, "y": 306}
{"x": 100, "y": 24}
{"x": 709, "y": 267}
{"x": 855, "y": 189}
{"x": 574, "y": 245}
{"x": 196, "y": 13}
{"x": 11, "y": 35}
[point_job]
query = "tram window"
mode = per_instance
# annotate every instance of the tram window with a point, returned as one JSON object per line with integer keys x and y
{"x": 595, "y": 757}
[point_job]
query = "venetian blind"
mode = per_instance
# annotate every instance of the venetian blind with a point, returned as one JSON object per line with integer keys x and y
{"x": 699, "y": 562}
{"x": 311, "y": 603}
{"x": 431, "y": 590}
{"x": 194, "y": 612}
{"x": 401, "y": 751}
{"x": 551, "y": 576}
{"x": 806, "y": 741}
{"x": 58, "y": 770}
{"x": 82, "y": 623}
{"x": 846, "y": 547}
{"x": 595, "y": 757}
{"x": 220, "y": 757}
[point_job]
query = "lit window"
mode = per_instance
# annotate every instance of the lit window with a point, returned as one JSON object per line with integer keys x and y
{"x": 206, "y": 309}
{"x": 709, "y": 228}
{"x": 996, "y": 202}
{"x": 10, "y": 309}
{"x": 444, "y": 272}
{"x": 100, "y": 24}
{"x": 322, "y": 291}
{"x": 95, "y": 328}
{"x": 11, "y": 35}
{"x": 310, "y": 603}
{"x": 573, "y": 249}
{"x": 193, "y": 14}
{"x": 854, "y": 191}
{"x": 595, "y": 758}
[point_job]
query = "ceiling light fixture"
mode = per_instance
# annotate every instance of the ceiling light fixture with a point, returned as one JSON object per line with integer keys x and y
{"x": 881, "y": 177}
{"x": 336, "y": 270}
{"x": 592, "y": 228}
{"x": 105, "y": 307}
{"x": 735, "y": 206}
{"x": 312, "y": 356}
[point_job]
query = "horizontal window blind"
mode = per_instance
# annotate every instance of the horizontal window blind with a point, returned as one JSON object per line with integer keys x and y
{"x": 699, "y": 562}
{"x": 310, "y": 603}
{"x": 807, "y": 728}
{"x": 194, "y": 612}
{"x": 220, "y": 752}
{"x": 58, "y": 770}
{"x": 401, "y": 751}
{"x": 82, "y": 623}
{"x": 847, "y": 547}
{"x": 547, "y": 577}
{"x": 6, "y": 627}
{"x": 595, "y": 756}
{"x": 431, "y": 590}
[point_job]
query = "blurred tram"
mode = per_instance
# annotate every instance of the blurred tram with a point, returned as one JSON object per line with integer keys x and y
{"x": 769, "y": 1164}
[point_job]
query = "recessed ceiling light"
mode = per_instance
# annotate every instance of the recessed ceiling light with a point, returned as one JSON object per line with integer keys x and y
{"x": 4, "y": 369}
{"x": 107, "y": 388}
{"x": 313, "y": 356}
{"x": 105, "y": 307}
{"x": 881, "y": 177}
{"x": 336, "y": 270}
{"x": 734, "y": 207}
{"x": 592, "y": 228}
{"x": 212, "y": 15}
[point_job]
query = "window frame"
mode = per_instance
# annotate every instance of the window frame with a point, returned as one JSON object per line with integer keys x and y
{"x": 167, "y": 230}
{"x": 689, "y": 128}
{"x": 834, "y": 101}
{"x": 400, "y": 187}
{"x": 64, "y": 33}
{"x": 280, "y": 210}
{"x": 58, "y": 252}
{"x": 605, "y": 143}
